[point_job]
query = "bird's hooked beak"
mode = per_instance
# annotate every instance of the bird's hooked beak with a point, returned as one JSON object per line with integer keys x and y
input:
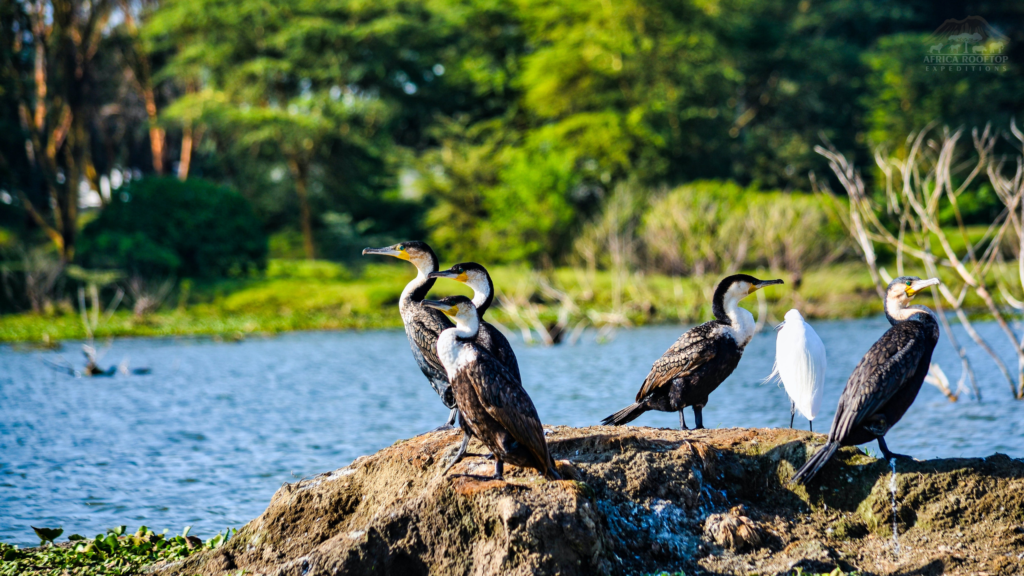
{"x": 919, "y": 285}
{"x": 781, "y": 324}
{"x": 458, "y": 276}
{"x": 448, "y": 310}
{"x": 387, "y": 251}
{"x": 762, "y": 284}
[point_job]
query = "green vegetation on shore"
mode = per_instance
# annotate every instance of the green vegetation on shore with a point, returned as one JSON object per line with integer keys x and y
{"x": 111, "y": 554}
{"x": 298, "y": 295}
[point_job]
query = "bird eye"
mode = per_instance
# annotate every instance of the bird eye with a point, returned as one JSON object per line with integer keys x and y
{"x": 402, "y": 247}
{"x": 909, "y": 282}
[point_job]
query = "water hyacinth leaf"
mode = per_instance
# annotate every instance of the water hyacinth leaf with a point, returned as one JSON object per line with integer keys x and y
{"x": 119, "y": 530}
{"x": 47, "y": 534}
{"x": 75, "y": 538}
{"x": 184, "y": 533}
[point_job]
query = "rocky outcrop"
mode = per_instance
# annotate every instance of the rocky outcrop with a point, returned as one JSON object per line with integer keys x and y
{"x": 636, "y": 501}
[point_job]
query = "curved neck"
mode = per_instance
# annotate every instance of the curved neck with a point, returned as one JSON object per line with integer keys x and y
{"x": 466, "y": 328}
{"x": 483, "y": 294}
{"x": 895, "y": 313}
{"x": 417, "y": 288}
{"x": 724, "y": 305}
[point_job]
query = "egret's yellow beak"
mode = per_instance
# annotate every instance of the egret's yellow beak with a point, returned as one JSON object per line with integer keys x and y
{"x": 918, "y": 285}
{"x": 448, "y": 310}
{"x": 387, "y": 251}
{"x": 762, "y": 284}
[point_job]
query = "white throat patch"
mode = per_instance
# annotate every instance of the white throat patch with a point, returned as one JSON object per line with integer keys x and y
{"x": 481, "y": 288}
{"x": 454, "y": 354}
{"x": 742, "y": 328}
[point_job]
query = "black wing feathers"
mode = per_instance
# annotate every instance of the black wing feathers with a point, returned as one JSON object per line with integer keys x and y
{"x": 880, "y": 374}
{"x": 505, "y": 400}
{"x": 693, "y": 349}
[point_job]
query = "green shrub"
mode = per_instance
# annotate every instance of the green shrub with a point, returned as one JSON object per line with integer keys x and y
{"x": 164, "y": 227}
{"x": 713, "y": 226}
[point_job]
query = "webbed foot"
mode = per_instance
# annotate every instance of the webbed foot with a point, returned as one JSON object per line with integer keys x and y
{"x": 888, "y": 454}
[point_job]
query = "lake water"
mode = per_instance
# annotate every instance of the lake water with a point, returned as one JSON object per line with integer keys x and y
{"x": 216, "y": 428}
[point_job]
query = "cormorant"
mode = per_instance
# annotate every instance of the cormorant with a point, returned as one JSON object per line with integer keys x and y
{"x": 701, "y": 359}
{"x": 800, "y": 363}
{"x": 886, "y": 381}
{"x": 423, "y": 325}
{"x": 476, "y": 277}
{"x": 493, "y": 405}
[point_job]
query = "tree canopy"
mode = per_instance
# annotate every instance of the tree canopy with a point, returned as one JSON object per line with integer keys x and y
{"x": 496, "y": 129}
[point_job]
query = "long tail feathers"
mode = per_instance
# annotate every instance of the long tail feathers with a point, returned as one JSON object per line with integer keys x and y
{"x": 815, "y": 463}
{"x": 626, "y": 415}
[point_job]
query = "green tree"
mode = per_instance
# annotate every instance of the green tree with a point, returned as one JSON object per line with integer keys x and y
{"x": 306, "y": 81}
{"x": 49, "y": 62}
{"x": 159, "y": 227}
{"x": 903, "y": 96}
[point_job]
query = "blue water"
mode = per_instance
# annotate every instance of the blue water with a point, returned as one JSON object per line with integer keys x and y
{"x": 207, "y": 438}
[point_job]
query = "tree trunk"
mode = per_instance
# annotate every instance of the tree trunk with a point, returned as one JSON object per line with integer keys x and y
{"x": 300, "y": 172}
{"x": 185, "y": 160}
{"x": 156, "y": 133}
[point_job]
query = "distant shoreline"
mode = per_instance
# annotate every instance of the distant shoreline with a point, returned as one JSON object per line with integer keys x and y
{"x": 287, "y": 302}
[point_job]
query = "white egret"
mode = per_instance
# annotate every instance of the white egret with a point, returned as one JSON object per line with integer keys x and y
{"x": 800, "y": 363}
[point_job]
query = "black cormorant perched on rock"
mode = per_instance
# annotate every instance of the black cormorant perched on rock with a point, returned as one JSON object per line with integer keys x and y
{"x": 886, "y": 381}
{"x": 493, "y": 405}
{"x": 476, "y": 277}
{"x": 701, "y": 359}
{"x": 423, "y": 325}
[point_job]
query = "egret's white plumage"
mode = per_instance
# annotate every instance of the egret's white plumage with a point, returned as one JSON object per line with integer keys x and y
{"x": 800, "y": 363}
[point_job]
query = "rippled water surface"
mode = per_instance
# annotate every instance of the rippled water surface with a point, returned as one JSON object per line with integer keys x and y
{"x": 216, "y": 428}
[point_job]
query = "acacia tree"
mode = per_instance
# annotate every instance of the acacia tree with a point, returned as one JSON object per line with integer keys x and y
{"x": 297, "y": 82}
{"x": 306, "y": 129}
{"x": 52, "y": 65}
{"x": 138, "y": 70}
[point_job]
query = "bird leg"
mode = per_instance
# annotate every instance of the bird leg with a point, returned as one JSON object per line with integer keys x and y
{"x": 458, "y": 455}
{"x": 450, "y": 423}
{"x": 682, "y": 421}
{"x": 792, "y": 412}
{"x": 809, "y": 423}
{"x": 885, "y": 450}
{"x": 698, "y": 417}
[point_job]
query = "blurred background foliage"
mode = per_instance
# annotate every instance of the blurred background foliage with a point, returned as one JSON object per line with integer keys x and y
{"x": 195, "y": 138}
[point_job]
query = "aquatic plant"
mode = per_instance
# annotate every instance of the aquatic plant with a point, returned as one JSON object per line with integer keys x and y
{"x": 111, "y": 554}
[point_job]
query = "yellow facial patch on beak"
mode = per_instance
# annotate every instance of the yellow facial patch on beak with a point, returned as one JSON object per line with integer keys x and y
{"x": 462, "y": 278}
{"x": 402, "y": 255}
{"x": 452, "y": 311}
